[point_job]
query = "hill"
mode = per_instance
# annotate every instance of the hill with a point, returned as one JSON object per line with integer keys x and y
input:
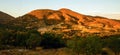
{"x": 67, "y": 21}
{"x": 5, "y": 17}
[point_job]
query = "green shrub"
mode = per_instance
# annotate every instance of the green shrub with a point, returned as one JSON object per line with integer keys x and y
{"x": 76, "y": 44}
{"x": 90, "y": 45}
{"x": 52, "y": 40}
{"x": 113, "y": 42}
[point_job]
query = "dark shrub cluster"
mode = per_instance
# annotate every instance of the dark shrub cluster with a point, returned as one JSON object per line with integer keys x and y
{"x": 52, "y": 40}
{"x": 93, "y": 45}
{"x": 30, "y": 39}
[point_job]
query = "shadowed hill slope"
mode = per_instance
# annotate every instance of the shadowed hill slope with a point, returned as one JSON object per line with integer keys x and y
{"x": 5, "y": 17}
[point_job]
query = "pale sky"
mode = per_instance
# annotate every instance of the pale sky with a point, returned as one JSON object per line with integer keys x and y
{"x": 90, "y": 7}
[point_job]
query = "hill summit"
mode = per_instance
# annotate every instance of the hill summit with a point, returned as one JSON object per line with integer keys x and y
{"x": 68, "y": 15}
{"x": 61, "y": 14}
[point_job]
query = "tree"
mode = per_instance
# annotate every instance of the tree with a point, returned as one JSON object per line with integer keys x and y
{"x": 1, "y": 40}
{"x": 52, "y": 40}
{"x": 21, "y": 38}
{"x": 34, "y": 39}
{"x": 90, "y": 45}
{"x": 93, "y": 45}
{"x": 77, "y": 45}
{"x": 8, "y": 38}
{"x": 113, "y": 42}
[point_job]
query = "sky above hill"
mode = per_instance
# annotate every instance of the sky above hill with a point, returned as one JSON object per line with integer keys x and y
{"x": 91, "y": 7}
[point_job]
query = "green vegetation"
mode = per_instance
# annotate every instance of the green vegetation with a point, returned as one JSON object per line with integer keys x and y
{"x": 76, "y": 44}
{"x": 33, "y": 40}
{"x": 13, "y": 37}
{"x": 29, "y": 38}
{"x": 52, "y": 40}
{"x": 91, "y": 45}
{"x": 113, "y": 43}
{"x": 19, "y": 38}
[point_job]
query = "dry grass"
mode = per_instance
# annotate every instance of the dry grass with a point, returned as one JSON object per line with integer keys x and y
{"x": 61, "y": 51}
{"x": 40, "y": 51}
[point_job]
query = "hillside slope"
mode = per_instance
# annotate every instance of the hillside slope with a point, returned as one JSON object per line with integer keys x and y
{"x": 67, "y": 21}
{"x": 5, "y": 17}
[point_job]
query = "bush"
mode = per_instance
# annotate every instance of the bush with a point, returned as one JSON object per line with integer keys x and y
{"x": 93, "y": 45}
{"x": 26, "y": 38}
{"x": 77, "y": 45}
{"x": 113, "y": 42}
{"x": 90, "y": 45}
{"x": 33, "y": 41}
{"x": 52, "y": 40}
